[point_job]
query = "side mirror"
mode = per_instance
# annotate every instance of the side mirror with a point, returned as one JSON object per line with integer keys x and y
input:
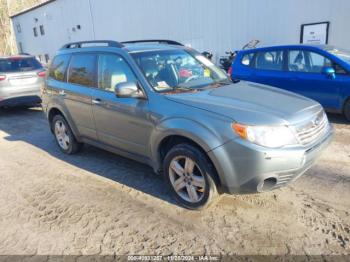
{"x": 329, "y": 71}
{"x": 128, "y": 90}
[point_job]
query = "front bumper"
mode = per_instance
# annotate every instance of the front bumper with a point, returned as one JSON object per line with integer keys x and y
{"x": 244, "y": 167}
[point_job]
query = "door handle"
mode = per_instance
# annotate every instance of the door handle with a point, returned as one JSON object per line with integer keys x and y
{"x": 62, "y": 93}
{"x": 96, "y": 101}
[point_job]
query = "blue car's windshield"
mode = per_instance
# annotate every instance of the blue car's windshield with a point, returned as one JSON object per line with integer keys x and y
{"x": 176, "y": 70}
{"x": 340, "y": 53}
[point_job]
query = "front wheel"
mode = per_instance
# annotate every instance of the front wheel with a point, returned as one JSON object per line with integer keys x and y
{"x": 190, "y": 177}
{"x": 347, "y": 110}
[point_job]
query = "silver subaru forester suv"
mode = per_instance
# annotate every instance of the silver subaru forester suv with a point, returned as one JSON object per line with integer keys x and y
{"x": 168, "y": 106}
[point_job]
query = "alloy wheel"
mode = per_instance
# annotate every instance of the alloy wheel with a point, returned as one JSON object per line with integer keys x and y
{"x": 187, "y": 179}
{"x": 62, "y": 136}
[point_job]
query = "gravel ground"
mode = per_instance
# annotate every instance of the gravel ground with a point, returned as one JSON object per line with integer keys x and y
{"x": 98, "y": 203}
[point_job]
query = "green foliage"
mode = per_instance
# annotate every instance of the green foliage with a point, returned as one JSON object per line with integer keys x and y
{"x": 8, "y": 7}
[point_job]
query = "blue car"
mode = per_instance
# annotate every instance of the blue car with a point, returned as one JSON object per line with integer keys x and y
{"x": 319, "y": 72}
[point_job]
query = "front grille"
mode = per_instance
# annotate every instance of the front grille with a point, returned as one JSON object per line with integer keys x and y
{"x": 311, "y": 130}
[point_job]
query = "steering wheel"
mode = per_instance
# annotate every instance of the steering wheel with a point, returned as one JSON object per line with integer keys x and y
{"x": 191, "y": 78}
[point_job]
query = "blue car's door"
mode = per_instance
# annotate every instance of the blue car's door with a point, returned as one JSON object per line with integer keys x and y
{"x": 269, "y": 68}
{"x": 306, "y": 78}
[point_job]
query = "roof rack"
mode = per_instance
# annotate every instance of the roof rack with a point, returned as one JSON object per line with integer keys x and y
{"x": 79, "y": 44}
{"x": 160, "y": 41}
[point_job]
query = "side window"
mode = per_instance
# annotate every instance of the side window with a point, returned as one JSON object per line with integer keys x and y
{"x": 306, "y": 61}
{"x": 271, "y": 60}
{"x": 82, "y": 70}
{"x": 318, "y": 62}
{"x": 247, "y": 59}
{"x": 58, "y": 67}
{"x": 339, "y": 70}
{"x": 113, "y": 70}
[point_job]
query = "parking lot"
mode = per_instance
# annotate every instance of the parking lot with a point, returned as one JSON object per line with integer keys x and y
{"x": 98, "y": 203}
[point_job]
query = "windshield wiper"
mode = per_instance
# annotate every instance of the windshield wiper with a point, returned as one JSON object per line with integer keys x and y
{"x": 185, "y": 88}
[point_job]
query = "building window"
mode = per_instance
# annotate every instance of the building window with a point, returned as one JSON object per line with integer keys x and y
{"x": 20, "y": 48}
{"x": 47, "y": 58}
{"x": 42, "y": 31}
{"x": 35, "y": 31}
{"x": 19, "y": 29}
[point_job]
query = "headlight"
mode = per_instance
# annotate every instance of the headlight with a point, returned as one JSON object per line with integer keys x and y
{"x": 267, "y": 136}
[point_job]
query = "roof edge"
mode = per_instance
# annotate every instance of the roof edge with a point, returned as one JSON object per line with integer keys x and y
{"x": 31, "y": 8}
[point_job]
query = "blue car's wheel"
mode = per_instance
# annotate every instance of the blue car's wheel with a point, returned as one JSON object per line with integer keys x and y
{"x": 347, "y": 110}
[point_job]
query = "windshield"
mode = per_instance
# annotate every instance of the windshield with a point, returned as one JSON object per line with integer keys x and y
{"x": 15, "y": 64}
{"x": 176, "y": 70}
{"x": 341, "y": 54}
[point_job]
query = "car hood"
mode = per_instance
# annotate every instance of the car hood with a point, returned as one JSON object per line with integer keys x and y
{"x": 251, "y": 104}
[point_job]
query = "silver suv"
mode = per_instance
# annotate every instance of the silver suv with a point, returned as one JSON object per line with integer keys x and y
{"x": 21, "y": 78}
{"x": 168, "y": 106}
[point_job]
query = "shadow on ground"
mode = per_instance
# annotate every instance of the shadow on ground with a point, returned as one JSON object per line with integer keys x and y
{"x": 337, "y": 119}
{"x": 30, "y": 126}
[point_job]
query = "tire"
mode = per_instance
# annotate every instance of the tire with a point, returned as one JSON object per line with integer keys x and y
{"x": 64, "y": 136}
{"x": 347, "y": 110}
{"x": 195, "y": 188}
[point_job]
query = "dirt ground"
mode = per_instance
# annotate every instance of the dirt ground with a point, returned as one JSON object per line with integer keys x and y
{"x": 98, "y": 203}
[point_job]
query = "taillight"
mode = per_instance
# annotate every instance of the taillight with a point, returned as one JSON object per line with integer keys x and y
{"x": 230, "y": 71}
{"x": 2, "y": 78}
{"x": 42, "y": 74}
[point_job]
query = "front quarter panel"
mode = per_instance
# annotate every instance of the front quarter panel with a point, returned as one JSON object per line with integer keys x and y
{"x": 207, "y": 130}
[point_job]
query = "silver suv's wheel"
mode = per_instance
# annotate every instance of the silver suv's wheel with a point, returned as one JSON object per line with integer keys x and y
{"x": 64, "y": 135}
{"x": 187, "y": 179}
{"x": 190, "y": 176}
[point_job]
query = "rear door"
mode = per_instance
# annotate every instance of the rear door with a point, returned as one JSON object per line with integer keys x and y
{"x": 75, "y": 94}
{"x": 269, "y": 68}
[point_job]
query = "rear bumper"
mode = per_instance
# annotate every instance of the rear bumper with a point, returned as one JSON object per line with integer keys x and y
{"x": 20, "y": 101}
{"x": 246, "y": 168}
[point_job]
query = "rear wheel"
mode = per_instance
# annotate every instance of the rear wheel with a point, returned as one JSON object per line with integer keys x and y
{"x": 190, "y": 177}
{"x": 347, "y": 110}
{"x": 64, "y": 135}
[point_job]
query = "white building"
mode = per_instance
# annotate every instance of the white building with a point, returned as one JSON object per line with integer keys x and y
{"x": 215, "y": 25}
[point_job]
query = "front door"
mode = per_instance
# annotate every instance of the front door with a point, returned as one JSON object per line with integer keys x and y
{"x": 306, "y": 78}
{"x": 120, "y": 122}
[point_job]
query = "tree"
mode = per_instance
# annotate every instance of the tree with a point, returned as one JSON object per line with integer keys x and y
{"x": 7, "y": 8}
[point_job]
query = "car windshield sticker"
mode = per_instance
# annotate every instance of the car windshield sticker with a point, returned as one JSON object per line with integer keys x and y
{"x": 162, "y": 85}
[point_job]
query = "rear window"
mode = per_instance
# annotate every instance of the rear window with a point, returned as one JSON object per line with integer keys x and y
{"x": 10, "y": 65}
{"x": 82, "y": 70}
{"x": 270, "y": 60}
{"x": 58, "y": 67}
